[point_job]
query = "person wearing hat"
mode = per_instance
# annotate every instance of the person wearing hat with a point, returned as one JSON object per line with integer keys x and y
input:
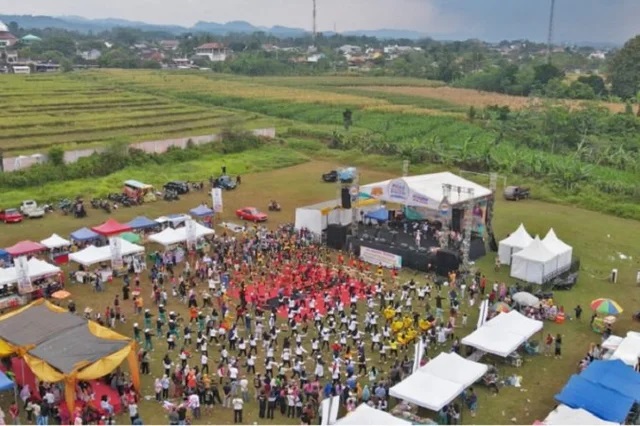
{"x": 148, "y": 344}
{"x": 162, "y": 313}
{"x": 147, "y": 318}
{"x": 136, "y": 332}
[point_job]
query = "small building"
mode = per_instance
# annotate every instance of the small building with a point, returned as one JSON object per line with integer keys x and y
{"x": 169, "y": 45}
{"x": 349, "y": 49}
{"x": 314, "y": 59}
{"x": 91, "y": 55}
{"x": 30, "y": 38}
{"x": 6, "y": 38}
{"x": 21, "y": 69}
{"x": 214, "y": 52}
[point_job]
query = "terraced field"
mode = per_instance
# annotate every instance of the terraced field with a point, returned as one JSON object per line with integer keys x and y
{"x": 39, "y": 111}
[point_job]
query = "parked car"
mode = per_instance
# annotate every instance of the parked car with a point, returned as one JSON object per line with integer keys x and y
{"x": 251, "y": 214}
{"x": 345, "y": 175}
{"x": 177, "y": 186}
{"x": 225, "y": 182}
{"x": 516, "y": 193}
{"x": 11, "y": 216}
{"x": 30, "y": 209}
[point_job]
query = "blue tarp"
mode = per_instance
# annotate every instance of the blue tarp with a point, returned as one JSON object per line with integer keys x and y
{"x": 614, "y": 375}
{"x": 142, "y": 222}
{"x": 604, "y": 403}
{"x": 84, "y": 234}
{"x": 4, "y": 255}
{"x": 381, "y": 215}
{"x": 201, "y": 211}
{"x": 5, "y": 382}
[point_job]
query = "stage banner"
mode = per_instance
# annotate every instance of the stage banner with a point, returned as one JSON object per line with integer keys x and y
{"x": 379, "y": 257}
{"x": 192, "y": 236}
{"x": 216, "y": 196}
{"x": 115, "y": 244}
{"x": 22, "y": 271}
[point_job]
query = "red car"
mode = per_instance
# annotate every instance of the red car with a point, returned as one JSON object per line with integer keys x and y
{"x": 251, "y": 214}
{"x": 10, "y": 216}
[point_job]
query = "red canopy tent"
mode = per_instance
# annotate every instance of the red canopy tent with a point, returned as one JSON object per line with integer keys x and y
{"x": 24, "y": 248}
{"x": 111, "y": 227}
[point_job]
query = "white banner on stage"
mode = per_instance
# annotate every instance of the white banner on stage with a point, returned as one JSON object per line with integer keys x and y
{"x": 329, "y": 409}
{"x": 379, "y": 257}
{"x": 115, "y": 243}
{"x": 216, "y": 196}
{"x": 192, "y": 234}
{"x": 22, "y": 271}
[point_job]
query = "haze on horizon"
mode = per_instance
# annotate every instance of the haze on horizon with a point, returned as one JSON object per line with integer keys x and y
{"x": 613, "y": 21}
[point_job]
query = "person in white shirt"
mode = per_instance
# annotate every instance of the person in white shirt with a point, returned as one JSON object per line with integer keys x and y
{"x": 244, "y": 388}
{"x": 133, "y": 411}
{"x": 237, "y": 404}
{"x": 194, "y": 405}
{"x": 204, "y": 362}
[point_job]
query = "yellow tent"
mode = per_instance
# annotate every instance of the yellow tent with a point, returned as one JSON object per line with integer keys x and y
{"x": 59, "y": 346}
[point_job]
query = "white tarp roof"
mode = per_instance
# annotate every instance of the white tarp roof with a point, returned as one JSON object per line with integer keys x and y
{"x": 171, "y": 236}
{"x": 37, "y": 269}
{"x": 424, "y": 190}
{"x": 452, "y": 367}
{"x": 55, "y": 241}
{"x": 426, "y": 391}
{"x": 515, "y": 242}
{"x": 564, "y": 415}
{"x": 535, "y": 263}
{"x": 365, "y": 415}
{"x": 536, "y": 252}
{"x": 92, "y": 254}
{"x": 503, "y": 334}
{"x": 555, "y": 244}
{"x": 629, "y": 349}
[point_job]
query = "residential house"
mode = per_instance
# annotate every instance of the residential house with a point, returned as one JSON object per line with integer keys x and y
{"x": 11, "y": 57}
{"x": 315, "y": 58}
{"x": 140, "y": 46}
{"x": 214, "y": 52}
{"x": 153, "y": 56}
{"x": 170, "y": 45}
{"x": 349, "y": 49}
{"x": 6, "y": 38}
{"x": 270, "y": 48}
{"x": 598, "y": 55}
{"x": 91, "y": 55}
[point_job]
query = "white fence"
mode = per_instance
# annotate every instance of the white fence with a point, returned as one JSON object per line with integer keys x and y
{"x": 11, "y": 164}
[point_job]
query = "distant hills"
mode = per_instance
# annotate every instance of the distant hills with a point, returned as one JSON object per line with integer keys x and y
{"x": 84, "y": 25}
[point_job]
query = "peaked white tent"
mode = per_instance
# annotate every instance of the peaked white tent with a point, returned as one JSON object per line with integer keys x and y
{"x": 560, "y": 248}
{"x": 166, "y": 237}
{"x": 535, "y": 263}
{"x": 515, "y": 242}
{"x": 55, "y": 241}
{"x": 503, "y": 334}
{"x": 365, "y": 415}
{"x": 564, "y": 415}
{"x": 515, "y": 322}
{"x": 92, "y": 254}
{"x": 37, "y": 269}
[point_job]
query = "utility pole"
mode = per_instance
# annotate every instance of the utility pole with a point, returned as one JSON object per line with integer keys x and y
{"x": 315, "y": 28}
{"x": 550, "y": 35}
{"x": 405, "y": 168}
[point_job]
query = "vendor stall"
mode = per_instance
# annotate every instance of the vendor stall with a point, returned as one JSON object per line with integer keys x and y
{"x": 132, "y": 254}
{"x": 59, "y": 248}
{"x": 111, "y": 228}
{"x": 173, "y": 220}
{"x": 84, "y": 236}
{"x": 44, "y": 277}
{"x": 4, "y": 257}
{"x": 25, "y": 248}
{"x": 203, "y": 214}
{"x": 142, "y": 223}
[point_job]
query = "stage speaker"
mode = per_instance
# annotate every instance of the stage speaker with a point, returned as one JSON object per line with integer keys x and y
{"x": 456, "y": 219}
{"x": 446, "y": 261}
{"x": 346, "y": 198}
{"x": 336, "y": 236}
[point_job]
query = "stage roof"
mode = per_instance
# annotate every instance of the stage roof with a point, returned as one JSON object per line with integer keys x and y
{"x": 424, "y": 190}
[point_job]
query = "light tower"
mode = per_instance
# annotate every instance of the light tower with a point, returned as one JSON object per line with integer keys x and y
{"x": 550, "y": 34}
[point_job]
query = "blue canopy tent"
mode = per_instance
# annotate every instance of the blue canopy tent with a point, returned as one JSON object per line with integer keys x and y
{"x": 381, "y": 215}
{"x": 142, "y": 222}
{"x": 603, "y": 403}
{"x": 84, "y": 234}
{"x": 7, "y": 384}
{"x": 614, "y": 375}
{"x": 201, "y": 211}
{"x": 5, "y": 256}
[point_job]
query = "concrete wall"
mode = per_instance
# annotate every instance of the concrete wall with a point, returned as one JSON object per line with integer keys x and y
{"x": 11, "y": 164}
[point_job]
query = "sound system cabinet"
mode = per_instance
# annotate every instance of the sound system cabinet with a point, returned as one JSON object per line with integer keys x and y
{"x": 446, "y": 261}
{"x": 346, "y": 198}
{"x": 336, "y": 236}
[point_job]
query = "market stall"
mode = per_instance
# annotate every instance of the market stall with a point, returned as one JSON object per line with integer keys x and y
{"x": 365, "y": 415}
{"x": 59, "y": 248}
{"x": 44, "y": 279}
{"x": 25, "y": 248}
{"x": 84, "y": 236}
{"x": 515, "y": 242}
{"x": 133, "y": 257}
{"x": 111, "y": 228}
{"x": 4, "y": 257}
{"x": 203, "y": 214}
{"x": 173, "y": 220}
{"x": 142, "y": 223}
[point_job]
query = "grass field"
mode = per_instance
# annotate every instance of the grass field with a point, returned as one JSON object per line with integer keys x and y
{"x": 597, "y": 239}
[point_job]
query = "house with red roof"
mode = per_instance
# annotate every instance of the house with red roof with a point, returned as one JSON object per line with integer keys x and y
{"x": 214, "y": 52}
{"x": 6, "y": 38}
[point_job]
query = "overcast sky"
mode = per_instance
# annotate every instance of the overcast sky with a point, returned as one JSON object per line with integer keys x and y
{"x": 576, "y": 20}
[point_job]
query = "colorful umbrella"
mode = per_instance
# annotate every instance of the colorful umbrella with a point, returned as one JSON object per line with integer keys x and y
{"x": 61, "y": 294}
{"x": 501, "y": 307}
{"x": 606, "y": 306}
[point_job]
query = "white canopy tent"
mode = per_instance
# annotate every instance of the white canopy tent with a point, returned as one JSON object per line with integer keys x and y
{"x": 564, "y": 415}
{"x": 170, "y": 236}
{"x": 515, "y": 242}
{"x": 629, "y": 349}
{"x": 365, "y": 415}
{"x": 426, "y": 391}
{"x": 317, "y": 217}
{"x": 92, "y": 254}
{"x": 55, "y": 241}
{"x": 535, "y": 263}
{"x": 452, "y": 367}
{"x": 424, "y": 190}
{"x": 503, "y": 334}
{"x": 37, "y": 269}
{"x": 560, "y": 248}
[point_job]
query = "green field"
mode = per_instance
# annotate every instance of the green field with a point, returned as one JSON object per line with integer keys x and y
{"x": 597, "y": 240}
